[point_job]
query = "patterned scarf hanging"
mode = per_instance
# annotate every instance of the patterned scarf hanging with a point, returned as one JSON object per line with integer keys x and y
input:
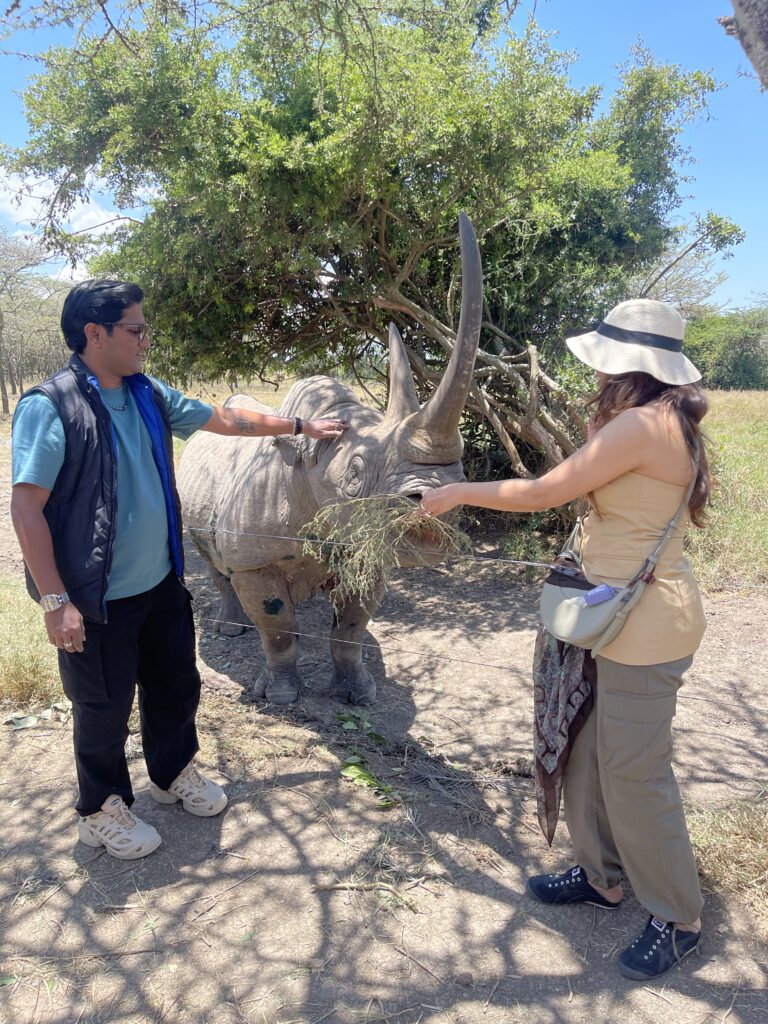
{"x": 563, "y": 682}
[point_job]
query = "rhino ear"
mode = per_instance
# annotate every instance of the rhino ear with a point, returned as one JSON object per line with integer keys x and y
{"x": 299, "y": 450}
{"x": 293, "y": 450}
{"x": 403, "y": 399}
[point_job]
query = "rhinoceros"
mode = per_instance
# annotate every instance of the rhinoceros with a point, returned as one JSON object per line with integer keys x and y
{"x": 244, "y": 498}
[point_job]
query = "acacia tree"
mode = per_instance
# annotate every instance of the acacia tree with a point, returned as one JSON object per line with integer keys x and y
{"x": 685, "y": 274}
{"x": 18, "y": 258}
{"x": 303, "y": 167}
{"x": 33, "y": 347}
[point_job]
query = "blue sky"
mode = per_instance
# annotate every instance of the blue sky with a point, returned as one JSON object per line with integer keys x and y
{"x": 730, "y": 145}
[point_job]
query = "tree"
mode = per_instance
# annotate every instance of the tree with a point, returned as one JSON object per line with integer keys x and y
{"x": 32, "y": 343}
{"x": 749, "y": 23}
{"x": 684, "y": 276}
{"x": 305, "y": 166}
{"x": 731, "y": 349}
{"x": 21, "y": 291}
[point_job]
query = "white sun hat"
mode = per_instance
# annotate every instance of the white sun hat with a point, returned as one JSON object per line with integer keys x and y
{"x": 639, "y": 335}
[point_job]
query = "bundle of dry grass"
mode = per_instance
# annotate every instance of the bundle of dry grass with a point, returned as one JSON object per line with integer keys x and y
{"x": 364, "y": 539}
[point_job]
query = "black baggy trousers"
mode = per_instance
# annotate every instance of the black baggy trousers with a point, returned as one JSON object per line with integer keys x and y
{"x": 149, "y": 640}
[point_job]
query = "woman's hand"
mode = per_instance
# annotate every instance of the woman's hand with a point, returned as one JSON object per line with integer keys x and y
{"x": 440, "y": 500}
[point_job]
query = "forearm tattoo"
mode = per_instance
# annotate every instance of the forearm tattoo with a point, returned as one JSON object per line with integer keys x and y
{"x": 244, "y": 426}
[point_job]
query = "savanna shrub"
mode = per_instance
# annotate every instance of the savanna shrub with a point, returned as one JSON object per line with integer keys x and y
{"x": 731, "y": 349}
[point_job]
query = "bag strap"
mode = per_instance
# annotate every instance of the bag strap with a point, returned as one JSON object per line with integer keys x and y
{"x": 645, "y": 573}
{"x": 636, "y": 587}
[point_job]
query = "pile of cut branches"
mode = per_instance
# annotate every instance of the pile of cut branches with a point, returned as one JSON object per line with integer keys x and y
{"x": 363, "y": 540}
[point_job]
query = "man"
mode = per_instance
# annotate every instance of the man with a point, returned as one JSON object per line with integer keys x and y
{"x": 95, "y": 508}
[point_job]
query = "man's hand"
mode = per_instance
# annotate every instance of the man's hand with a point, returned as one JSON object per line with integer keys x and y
{"x": 66, "y": 629}
{"x": 319, "y": 429}
{"x": 231, "y": 422}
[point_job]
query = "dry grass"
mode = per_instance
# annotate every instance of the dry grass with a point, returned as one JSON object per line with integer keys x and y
{"x": 364, "y": 539}
{"x": 28, "y": 666}
{"x": 731, "y": 845}
{"x": 733, "y": 549}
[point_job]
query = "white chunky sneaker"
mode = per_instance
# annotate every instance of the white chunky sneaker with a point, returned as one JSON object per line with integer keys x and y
{"x": 198, "y": 795}
{"x": 123, "y": 834}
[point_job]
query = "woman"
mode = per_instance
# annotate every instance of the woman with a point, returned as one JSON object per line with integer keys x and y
{"x": 621, "y": 798}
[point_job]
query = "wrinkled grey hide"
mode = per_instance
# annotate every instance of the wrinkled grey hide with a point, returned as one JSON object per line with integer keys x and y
{"x": 242, "y": 495}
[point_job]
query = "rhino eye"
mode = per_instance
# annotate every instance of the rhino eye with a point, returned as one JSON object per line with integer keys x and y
{"x": 354, "y": 478}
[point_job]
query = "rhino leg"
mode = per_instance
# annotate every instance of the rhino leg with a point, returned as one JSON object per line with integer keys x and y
{"x": 351, "y": 679}
{"x": 232, "y": 617}
{"x": 263, "y": 594}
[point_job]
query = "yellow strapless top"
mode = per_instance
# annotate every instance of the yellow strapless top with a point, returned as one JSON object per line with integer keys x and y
{"x": 632, "y": 513}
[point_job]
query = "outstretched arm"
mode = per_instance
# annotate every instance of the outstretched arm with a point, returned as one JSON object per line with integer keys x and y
{"x": 617, "y": 448}
{"x": 249, "y": 423}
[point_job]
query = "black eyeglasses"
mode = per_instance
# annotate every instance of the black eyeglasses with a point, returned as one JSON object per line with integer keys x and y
{"x": 140, "y": 334}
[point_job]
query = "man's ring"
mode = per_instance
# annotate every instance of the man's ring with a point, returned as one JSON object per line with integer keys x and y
{"x": 69, "y": 644}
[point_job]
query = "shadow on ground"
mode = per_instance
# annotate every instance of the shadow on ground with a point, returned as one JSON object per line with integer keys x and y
{"x": 309, "y": 900}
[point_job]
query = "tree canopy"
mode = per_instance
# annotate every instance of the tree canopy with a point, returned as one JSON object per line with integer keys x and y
{"x": 731, "y": 349}
{"x": 300, "y": 168}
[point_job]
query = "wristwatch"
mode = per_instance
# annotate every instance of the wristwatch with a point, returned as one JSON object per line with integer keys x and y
{"x": 50, "y": 602}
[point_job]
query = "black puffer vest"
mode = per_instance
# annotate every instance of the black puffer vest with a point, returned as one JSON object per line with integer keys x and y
{"x": 82, "y": 509}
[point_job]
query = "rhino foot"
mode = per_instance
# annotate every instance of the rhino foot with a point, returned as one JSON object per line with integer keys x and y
{"x": 230, "y": 629}
{"x": 279, "y": 686}
{"x": 353, "y": 683}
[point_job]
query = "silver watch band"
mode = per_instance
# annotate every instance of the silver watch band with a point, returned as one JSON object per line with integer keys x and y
{"x": 50, "y": 602}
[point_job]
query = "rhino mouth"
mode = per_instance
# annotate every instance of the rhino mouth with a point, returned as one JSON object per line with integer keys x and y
{"x": 423, "y": 545}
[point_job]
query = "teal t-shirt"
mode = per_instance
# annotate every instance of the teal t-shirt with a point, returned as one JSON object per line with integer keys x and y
{"x": 141, "y": 555}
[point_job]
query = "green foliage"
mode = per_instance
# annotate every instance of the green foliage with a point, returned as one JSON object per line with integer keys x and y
{"x": 359, "y": 721}
{"x": 731, "y": 349}
{"x": 294, "y": 176}
{"x": 535, "y": 538}
{"x": 357, "y": 771}
{"x": 301, "y": 169}
{"x": 685, "y": 274}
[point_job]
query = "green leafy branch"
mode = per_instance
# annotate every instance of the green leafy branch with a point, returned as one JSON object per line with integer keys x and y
{"x": 357, "y": 771}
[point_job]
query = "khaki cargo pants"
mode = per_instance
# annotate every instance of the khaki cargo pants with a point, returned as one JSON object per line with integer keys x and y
{"x": 621, "y": 798}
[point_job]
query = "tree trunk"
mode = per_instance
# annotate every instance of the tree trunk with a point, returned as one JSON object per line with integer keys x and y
{"x": 3, "y": 389}
{"x": 750, "y": 26}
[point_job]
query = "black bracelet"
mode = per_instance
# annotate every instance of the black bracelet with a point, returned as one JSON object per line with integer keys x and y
{"x": 298, "y": 425}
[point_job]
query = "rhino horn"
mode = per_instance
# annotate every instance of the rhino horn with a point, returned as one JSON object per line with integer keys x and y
{"x": 403, "y": 400}
{"x": 435, "y": 428}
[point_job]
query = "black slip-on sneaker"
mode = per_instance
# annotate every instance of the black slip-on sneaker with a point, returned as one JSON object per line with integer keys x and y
{"x": 570, "y": 887}
{"x": 661, "y": 946}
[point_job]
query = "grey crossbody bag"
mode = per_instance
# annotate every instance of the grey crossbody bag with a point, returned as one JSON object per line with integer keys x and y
{"x": 566, "y": 605}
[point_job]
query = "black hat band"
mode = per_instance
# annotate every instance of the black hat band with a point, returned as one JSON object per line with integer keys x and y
{"x": 639, "y": 337}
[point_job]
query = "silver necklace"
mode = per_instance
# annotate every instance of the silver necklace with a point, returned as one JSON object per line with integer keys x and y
{"x": 124, "y": 406}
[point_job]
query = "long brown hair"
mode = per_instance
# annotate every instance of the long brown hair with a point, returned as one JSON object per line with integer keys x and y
{"x": 687, "y": 401}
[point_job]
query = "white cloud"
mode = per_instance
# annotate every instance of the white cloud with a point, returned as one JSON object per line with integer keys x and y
{"x": 21, "y": 202}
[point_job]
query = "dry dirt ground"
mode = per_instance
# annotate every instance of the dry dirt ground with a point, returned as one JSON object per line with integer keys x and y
{"x": 307, "y": 902}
